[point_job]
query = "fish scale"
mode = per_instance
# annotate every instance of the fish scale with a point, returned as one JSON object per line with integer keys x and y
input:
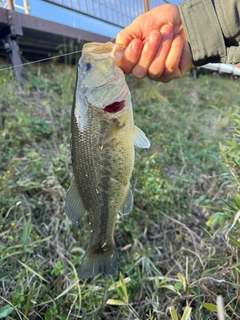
{"x": 103, "y": 138}
{"x": 89, "y": 155}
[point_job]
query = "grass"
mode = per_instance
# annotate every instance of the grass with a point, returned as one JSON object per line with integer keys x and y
{"x": 177, "y": 250}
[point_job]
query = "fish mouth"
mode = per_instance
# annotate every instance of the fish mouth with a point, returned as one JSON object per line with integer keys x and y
{"x": 115, "y": 107}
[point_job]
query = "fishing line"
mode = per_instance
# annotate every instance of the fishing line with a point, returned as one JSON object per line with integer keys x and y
{"x": 27, "y": 63}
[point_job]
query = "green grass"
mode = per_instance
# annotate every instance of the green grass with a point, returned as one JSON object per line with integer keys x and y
{"x": 174, "y": 248}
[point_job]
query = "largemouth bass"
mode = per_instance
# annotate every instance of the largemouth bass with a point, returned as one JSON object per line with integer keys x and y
{"x": 103, "y": 136}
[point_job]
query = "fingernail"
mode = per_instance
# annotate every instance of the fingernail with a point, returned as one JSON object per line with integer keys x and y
{"x": 154, "y": 36}
{"x": 166, "y": 29}
{"x": 136, "y": 46}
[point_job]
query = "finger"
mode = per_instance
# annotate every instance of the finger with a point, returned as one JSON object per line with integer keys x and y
{"x": 157, "y": 67}
{"x": 186, "y": 61}
{"x": 133, "y": 31}
{"x": 172, "y": 69}
{"x": 123, "y": 38}
{"x": 131, "y": 56}
{"x": 174, "y": 55}
{"x": 148, "y": 53}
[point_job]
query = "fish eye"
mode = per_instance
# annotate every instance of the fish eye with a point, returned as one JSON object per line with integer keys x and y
{"x": 87, "y": 66}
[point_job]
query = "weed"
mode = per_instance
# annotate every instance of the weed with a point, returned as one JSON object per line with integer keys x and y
{"x": 177, "y": 250}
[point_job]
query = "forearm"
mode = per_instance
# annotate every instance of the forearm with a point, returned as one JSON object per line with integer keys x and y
{"x": 212, "y": 29}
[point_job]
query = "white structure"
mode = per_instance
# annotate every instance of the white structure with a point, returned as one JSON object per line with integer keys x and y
{"x": 223, "y": 68}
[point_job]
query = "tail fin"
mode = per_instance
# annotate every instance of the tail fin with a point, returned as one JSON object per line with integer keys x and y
{"x": 95, "y": 263}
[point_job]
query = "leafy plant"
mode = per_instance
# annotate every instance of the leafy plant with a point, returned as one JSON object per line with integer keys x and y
{"x": 173, "y": 259}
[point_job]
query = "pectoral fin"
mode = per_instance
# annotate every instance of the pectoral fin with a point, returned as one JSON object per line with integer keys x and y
{"x": 74, "y": 207}
{"x": 139, "y": 138}
{"x": 112, "y": 131}
{"x": 128, "y": 203}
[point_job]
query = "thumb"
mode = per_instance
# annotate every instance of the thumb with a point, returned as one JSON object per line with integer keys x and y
{"x": 128, "y": 34}
{"x": 124, "y": 37}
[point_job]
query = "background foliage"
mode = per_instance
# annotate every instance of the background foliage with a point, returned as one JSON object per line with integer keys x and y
{"x": 179, "y": 247}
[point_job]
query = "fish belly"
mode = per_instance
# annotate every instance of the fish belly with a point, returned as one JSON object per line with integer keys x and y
{"x": 102, "y": 175}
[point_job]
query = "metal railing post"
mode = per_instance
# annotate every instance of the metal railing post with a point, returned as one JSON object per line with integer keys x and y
{"x": 26, "y": 7}
{"x": 10, "y": 4}
{"x": 146, "y": 5}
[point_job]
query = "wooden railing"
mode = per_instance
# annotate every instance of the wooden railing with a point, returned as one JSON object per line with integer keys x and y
{"x": 12, "y": 4}
{"x": 115, "y": 12}
{"x": 39, "y": 38}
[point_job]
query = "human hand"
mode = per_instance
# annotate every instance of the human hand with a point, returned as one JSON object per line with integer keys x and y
{"x": 156, "y": 45}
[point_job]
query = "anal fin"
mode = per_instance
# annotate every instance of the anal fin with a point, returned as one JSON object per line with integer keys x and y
{"x": 128, "y": 203}
{"x": 74, "y": 207}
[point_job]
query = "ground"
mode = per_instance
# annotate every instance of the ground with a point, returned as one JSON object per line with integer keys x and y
{"x": 174, "y": 249}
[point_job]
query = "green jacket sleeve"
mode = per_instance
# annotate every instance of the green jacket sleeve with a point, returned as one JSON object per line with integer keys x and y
{"x": 212, "y": 28}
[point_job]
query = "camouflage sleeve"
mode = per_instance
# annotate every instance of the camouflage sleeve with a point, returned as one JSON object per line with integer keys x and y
{"x": 212, "y": 28}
